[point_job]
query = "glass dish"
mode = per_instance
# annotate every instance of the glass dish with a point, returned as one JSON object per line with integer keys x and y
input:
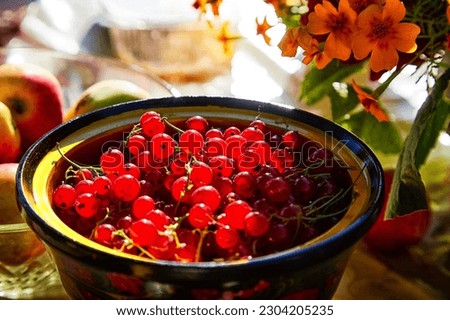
{"x": 77, "y": 72}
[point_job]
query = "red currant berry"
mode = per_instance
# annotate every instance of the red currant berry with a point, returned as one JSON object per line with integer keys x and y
{"x": 213, "y": 133}
{"x": 130, "y": 168}
{"x": 147, "y": 115}
{"x": 181, "y": 189}
{"x": 102, "y": 185}
{"x": 207, "y": 195}
{"x": 178, "y": 164}
{"x": 185, "y": 253}
{"x": 201, "y": 174}
{"x": 226, "y": 237}
{"x": 162, "y": 146}
{"x": 293, "y": 140}
{"x": 126, "y": 188}
{"x": 197, "y": 123}
{"x": 222, "y": 166}
{"x": 215, "y": 147}
{"x": 85, "y": 186}
{"x": 142, "y": 206}
{"x": 159, "y": 219}
{"x": 124, "y": 222}
{"x": 235, "y": 213}
{"x": 259, "y": 124}
{"x": 136, "y": 144}
{"x": 277, "y": 190}
{"x": 223, "y": 185}
{"x": 84, "y": 174}
{"x": 151, "y": 126}
{"x": 191, "y": 142}
{"x": 304, "y": 189}
{"x": 112, "y": 160}
{"x": 263, "y": 149}
{"x": 86, "y": 205}
{"x": 252, "y": 134}
{"x": 64, "y": 196}
{"x": 291, "y": 216}
{"x": 200, "y": 216}
{"x": 104, "y": 234}
{"x": 279, "y": 237}
{"x": 256, "y": 224}
{"x": 244, "y": 184}
{"x": 236, "y": 145}
{"x": 249, "y": 161}
{"x": 231, "y": 131}
{"x": 143, "y": 232}
{"x": 281, "y": 159}
{"x": 155, "y": 178}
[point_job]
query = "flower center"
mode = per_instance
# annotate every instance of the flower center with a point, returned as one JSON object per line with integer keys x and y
{"x": 380, "y": 30}
{"x": 339, "y": 23}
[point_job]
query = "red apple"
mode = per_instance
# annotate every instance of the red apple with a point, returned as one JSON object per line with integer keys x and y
{"x": 35, "y": 98}
{"x": 390, "y": 235}
{"x": 10, "y": 137}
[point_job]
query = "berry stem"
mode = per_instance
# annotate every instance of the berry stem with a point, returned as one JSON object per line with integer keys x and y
{"x": 122, "y": 234}
{"x": 166, "y": 121}
{"x": 97, "y": 170}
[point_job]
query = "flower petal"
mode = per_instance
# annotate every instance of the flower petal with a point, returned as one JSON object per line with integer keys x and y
{"x": 384, "y": 57}
{"x": 345, "y": 8}
{"x": 405, "y": 37}
{"x": 367, "y": 16}
{"x": 325, "y": 9}
{"x": 394, "y": 10}
{"x": 362, "y": 45}
{"x": 370, "y": 103}
{"x": 322, "y": 60}
{"x": 335, "y": 47}
{"x": 317, "y": 25}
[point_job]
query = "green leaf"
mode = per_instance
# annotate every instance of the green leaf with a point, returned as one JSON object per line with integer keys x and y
{"x": 408, "y": 192}
{"x": 380, "y": 136}
{"x": 318, "y": 83}
{"x": 432, "y": 130}
{"x": 343, "y": 101}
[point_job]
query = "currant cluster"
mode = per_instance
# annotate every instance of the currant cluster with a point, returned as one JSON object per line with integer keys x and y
{"x": 199, "y": 190}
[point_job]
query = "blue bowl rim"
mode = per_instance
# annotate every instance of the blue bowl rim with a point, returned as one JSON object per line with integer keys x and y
{"x": 303, "y": 256}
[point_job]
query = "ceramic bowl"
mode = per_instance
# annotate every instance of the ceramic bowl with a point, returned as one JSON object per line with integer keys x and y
{"x": 90, "y": 270}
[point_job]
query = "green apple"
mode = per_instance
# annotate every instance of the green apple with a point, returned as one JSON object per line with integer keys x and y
{"x": 35, "y": 98}
{"x": 10, "y": 138}
{"x": 103, "y": 94}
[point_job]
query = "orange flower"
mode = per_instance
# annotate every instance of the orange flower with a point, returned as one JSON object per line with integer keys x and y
{"x": 339, "y": 24}
{"x": 227, "y": 38}
{"x": 261, "y": 29}
{"x": 382, "y": 34}
{"x": 310, "y": 46}
{"x": 370, "y": 103}
{"x": 202, "y": 6}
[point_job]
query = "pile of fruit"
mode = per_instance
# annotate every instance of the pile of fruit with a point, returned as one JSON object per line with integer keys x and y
{"x": 31, "y": 104}
{"x": 199, "y": 189}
